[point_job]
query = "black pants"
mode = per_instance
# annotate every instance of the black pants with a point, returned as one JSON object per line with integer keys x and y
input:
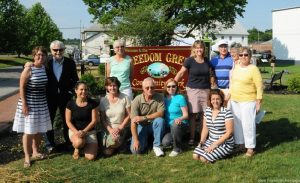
{"x": 175, "y": 137}
{"x": 54, "y": 103}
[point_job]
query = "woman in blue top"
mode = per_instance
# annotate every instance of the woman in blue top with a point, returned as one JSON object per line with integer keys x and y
{"x": 120, "y": 66}
{"x": 176, "y": 116}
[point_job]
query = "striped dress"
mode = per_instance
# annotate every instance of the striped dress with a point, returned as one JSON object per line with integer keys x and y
{"x": 38, "y": 119}
{"x": 216, "y": 129}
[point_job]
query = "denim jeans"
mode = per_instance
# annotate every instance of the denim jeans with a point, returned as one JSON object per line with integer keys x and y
{"x": 156, "y": 129}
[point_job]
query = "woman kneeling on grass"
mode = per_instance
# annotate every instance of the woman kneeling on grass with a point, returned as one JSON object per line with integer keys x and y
{"x": 81, "y": 118}
{"x": 218, "y": 126}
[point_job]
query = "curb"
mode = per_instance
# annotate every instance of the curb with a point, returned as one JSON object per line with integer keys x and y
{"x": 3, "y": 97}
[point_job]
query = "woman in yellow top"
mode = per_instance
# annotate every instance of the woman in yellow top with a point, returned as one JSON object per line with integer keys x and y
{"x": 246, "y": 92}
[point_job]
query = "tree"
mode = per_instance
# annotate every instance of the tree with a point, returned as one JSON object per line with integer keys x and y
{"x": 41, "y": 27}
{"x": 12, "y": 26}
{"x": 169, "y": 14}
{"x": 256, "y": 35}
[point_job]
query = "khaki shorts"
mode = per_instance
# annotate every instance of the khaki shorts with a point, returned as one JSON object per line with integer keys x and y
{"x": 197, "y": 99}
{"x": 90, "y": 137}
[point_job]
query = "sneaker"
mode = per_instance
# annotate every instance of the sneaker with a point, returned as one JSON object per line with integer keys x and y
{"x": 173, "y": 153}
{"x": 158, "y": 152}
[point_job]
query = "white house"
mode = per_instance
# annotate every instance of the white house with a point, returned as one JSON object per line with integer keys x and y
{"x": 286, "y": 34}
{"x": 236, "y": 34}
{"x": 96, "y": 40}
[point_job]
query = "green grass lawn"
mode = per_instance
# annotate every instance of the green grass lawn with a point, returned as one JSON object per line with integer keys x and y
{"x": 277, "y": 158}
{"x": 8, "y": 61}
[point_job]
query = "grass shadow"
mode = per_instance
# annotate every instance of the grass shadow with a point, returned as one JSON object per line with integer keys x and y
{"x": 273, "y": 133}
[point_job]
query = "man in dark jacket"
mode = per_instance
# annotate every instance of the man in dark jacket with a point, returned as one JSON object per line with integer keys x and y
{"x": 62, "y": 77}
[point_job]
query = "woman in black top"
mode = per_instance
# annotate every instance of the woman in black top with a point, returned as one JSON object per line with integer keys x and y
{"x": 81, "y": 118}
{"x": 200, "y": 78}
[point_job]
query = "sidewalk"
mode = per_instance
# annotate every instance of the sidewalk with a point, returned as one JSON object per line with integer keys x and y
{"x": 9, "y": 94}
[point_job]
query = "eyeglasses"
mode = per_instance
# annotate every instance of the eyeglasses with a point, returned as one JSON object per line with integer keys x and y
{"x": 245, "y": 55}
{"x": 223, "y": 46}
{"x": 171, "y": 86}
{"x": 149, "y": 87}
{"x": 119, "y": 47}
{"x": 56, "y": 50}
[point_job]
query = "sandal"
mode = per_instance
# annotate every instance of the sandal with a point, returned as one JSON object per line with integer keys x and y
{"x": 27, "y": 164}
{"x": 76, "y": 154}
{"x": 249, "y": 154}
{"x": 39, "y": 156}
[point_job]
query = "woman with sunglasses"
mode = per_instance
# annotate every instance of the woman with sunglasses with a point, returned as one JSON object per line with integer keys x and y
{"x": 176, "y": 115}
{"x": 200, "y": 77}
{"x": 216, "y": 140}
{"x": 114, "y": 114}
{"x": 246, "y": 90}
{"x": 81, "y": 118}
{"x": 120, "y": 66}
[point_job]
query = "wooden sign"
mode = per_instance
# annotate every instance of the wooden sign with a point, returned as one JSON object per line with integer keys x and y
{"x": 158, "y": 62}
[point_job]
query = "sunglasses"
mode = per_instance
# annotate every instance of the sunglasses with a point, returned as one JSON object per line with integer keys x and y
{"x": 56, "y": 50}
{"x": 245, "y": 55}
{"x": 149, "y": 87}
{"x": 171, "y": 86}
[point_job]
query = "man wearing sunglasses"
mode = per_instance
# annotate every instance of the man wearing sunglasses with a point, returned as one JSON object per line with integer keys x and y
{"x": 147, "y": 110}
{"x": 62, "y": 77}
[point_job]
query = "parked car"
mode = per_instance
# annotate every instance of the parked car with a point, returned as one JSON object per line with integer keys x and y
{"x": 92, "y": 59}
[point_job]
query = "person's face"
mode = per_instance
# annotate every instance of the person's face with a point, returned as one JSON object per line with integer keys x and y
{"x": 199, "y": 51}
{"x": 223, "y": 49}
{"x": 39, "y": 58}
{"x": 244, "y": 58}
{"x": 57, "y": 51}
{"x": 81, "y": 91}
{"x": 171, "y": 88}
{"x": 112, "y": 88}
{"x": 216, "y": 101}
{"x": 119, "y": 49}
{"x": 234, "y": 54}
{"x": 148, "y": 88}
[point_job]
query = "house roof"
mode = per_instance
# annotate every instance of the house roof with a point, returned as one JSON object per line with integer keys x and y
{"x": 282, "y": 9}
{"x": 98, "y": 28}
{"x": 237, "y": 29}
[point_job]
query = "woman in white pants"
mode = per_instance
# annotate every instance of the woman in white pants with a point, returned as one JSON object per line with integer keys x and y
{"x": 246, "y": 92}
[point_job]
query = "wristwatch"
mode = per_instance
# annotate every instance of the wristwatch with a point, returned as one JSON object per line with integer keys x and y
{"x": 145, "y": 118}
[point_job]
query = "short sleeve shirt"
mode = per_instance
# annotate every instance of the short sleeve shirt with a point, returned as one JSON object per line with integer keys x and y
{"x": 139, "y": 107}
{"x": 199, "y": 73}
{"x": 81, "y": 116}
{"x": 173, "y": 108}
{"x": 115, "y": 112}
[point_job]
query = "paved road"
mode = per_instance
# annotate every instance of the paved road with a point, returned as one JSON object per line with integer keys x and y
{"x": 9, "y": 88}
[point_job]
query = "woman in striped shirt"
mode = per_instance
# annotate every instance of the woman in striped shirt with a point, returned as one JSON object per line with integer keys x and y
{"x": 216, "y": 140}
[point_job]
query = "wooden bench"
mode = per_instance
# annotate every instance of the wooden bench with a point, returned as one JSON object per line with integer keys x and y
{"x": 269, "y": 83}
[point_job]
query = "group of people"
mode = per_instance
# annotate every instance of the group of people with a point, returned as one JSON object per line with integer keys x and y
{"x": 222, "y": 98}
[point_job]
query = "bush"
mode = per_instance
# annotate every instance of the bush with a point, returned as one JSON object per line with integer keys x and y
{"x": 91, "y": 82}
{"x": 101, "y": 69}
{"x": 294, "y": 84}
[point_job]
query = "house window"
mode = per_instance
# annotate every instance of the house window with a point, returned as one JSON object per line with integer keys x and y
{"x": 222, "y": 37}
{"x": 230, "y": 38}
{"x": 242, "y": 38}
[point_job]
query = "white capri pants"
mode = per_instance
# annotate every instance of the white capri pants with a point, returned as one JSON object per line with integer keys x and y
{"x": 244, "y": 123}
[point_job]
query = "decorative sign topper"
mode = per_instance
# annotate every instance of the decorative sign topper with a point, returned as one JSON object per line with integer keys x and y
{"x": 158, "y": 62}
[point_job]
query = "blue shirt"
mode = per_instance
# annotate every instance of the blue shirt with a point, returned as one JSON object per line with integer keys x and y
{"x": 222, "y": 69}
{"x": 173, "y": 108}
{"x": 57, "y": 68}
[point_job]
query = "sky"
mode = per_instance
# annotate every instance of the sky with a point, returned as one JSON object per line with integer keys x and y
{"x": 71, "y": 16}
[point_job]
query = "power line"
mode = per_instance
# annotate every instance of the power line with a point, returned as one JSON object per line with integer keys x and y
{"x": 69, "y": 28}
